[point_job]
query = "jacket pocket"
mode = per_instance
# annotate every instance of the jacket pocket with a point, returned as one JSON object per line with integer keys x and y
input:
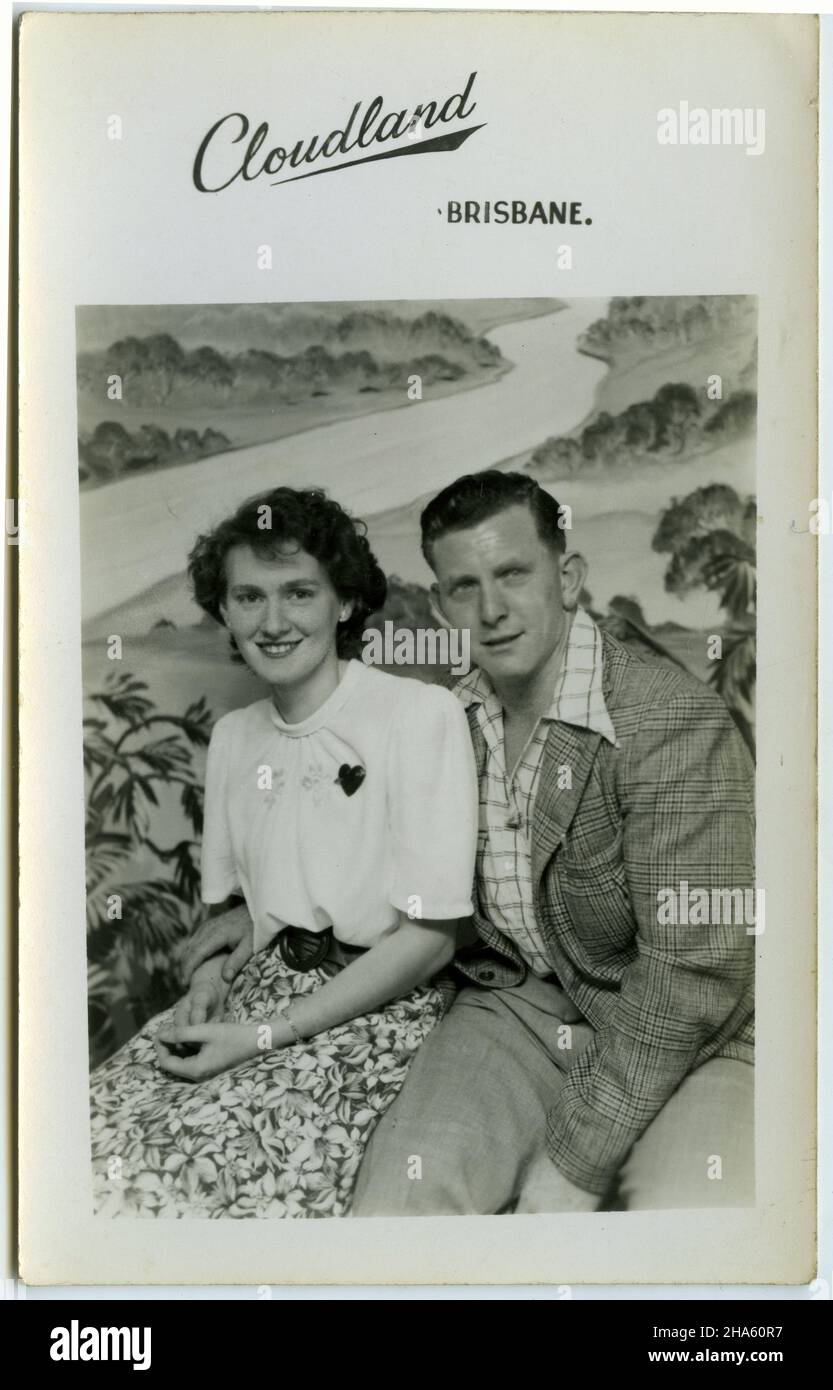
{"x": 592, "y": 855}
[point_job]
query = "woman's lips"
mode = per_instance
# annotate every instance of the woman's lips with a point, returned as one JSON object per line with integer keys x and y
{"x": 276, "y": 650}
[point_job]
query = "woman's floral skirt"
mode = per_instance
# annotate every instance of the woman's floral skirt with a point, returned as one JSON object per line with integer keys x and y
{"x": 281, "y": 1135}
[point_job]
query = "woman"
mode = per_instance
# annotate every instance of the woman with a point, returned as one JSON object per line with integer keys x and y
{"x": 343, "y": 808}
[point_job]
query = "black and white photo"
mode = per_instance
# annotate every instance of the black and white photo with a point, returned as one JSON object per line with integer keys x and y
{"x": 417, "y": 648}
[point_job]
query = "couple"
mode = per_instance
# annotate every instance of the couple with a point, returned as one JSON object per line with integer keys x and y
{"x": 449, "y": 988}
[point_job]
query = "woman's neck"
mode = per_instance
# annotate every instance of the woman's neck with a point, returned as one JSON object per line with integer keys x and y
{"x": 297, "y": 703}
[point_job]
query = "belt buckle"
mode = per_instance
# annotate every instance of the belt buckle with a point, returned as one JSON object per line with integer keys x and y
{"x": 304, "y": 950}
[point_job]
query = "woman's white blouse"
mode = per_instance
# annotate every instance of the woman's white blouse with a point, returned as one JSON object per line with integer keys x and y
{"x": 281, "y": 828}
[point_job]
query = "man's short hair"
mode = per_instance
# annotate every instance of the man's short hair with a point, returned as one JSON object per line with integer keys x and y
{"x": 478, "y": 496}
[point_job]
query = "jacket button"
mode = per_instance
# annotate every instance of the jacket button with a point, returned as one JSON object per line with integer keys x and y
{"x": 486, "y": 974}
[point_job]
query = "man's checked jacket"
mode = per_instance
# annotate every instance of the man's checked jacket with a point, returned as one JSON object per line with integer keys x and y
{"x": 672, "y": 805}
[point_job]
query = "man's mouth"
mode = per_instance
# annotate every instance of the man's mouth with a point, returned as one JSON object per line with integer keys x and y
{"x": 499, "y": 644}
{"x": 278, "y": 649}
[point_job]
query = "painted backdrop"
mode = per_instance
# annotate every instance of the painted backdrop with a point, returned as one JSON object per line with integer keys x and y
{"x": 638, "y": 414}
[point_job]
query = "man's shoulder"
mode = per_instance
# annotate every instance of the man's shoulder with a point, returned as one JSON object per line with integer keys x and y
{"x": 651, "y": 695}
{"x": 634, "y": 683}
{"x": 454, "y": 685}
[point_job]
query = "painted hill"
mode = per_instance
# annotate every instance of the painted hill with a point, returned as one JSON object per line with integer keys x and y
{"x": 644, "y": 325}
{"x": 363, "y": 349}
{"x": 150, "y": 401}
{"x": 675, "y": 424}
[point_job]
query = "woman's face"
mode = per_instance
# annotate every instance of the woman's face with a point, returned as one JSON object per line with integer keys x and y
{"x": 283, "y": 612}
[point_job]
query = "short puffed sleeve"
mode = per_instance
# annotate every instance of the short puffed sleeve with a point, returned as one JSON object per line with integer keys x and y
{"x": 432, "y": 806}
{"x": 218, "y": 868}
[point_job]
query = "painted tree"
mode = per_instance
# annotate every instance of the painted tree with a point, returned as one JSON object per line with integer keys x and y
{"x": 710, "y": 538}
{"x": 142, "y": 896}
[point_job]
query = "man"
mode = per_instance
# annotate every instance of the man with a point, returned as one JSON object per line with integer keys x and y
{"x": 601, "y": 1043}
{"x": 603, "y": 1040}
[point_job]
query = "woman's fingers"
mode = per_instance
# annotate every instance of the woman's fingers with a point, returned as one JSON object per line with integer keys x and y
{"x": 207, "y": 940}
{"x": 205, "y": 1004}
{"x": 215, "y": 1007}
{"x": 189, "y": 1068}
{"x": 183, "y": 1013}
{"x": 199, "y": 1010}
{"x": 161, "y": 1044}
{"x": 191, "y": 1033}
{"x": 241, "y": 953}
{"x": 197, "y": 1005}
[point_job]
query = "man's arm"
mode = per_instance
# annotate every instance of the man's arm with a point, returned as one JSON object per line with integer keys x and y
{"x": 687, "y": 799}
{"x": 229, "y": 928}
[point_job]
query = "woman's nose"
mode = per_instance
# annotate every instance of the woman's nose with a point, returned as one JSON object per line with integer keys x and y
{"x": 274, "y": 619}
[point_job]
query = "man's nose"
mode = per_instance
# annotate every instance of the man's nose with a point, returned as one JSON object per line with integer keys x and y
{"x": 492, "y": 607}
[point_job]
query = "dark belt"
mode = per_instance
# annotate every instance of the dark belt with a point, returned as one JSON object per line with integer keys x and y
{"x": 305, "y": 950}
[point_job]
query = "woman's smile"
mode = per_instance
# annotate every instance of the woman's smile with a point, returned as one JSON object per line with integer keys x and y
{"x": 278, "y": 650}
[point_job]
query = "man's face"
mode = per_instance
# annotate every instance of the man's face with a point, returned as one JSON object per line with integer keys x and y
{"x": 509, "y": 588}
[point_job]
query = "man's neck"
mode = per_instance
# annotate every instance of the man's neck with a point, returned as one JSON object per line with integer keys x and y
{"x": 530, "y": 698}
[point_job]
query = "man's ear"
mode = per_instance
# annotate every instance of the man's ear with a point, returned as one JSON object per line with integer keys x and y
{"x": 436, "y": 606}
{"x": 573, "y": 569}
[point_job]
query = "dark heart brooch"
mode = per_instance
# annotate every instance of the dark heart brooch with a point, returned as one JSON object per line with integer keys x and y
{"x": 350, "y": 778}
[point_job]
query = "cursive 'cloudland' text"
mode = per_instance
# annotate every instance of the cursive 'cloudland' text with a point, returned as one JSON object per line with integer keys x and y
{"x": 223, "y": 157}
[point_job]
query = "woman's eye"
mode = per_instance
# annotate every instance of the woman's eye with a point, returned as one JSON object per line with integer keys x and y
{"x": 302, "y": 593}
{"x": 248, "y": 598}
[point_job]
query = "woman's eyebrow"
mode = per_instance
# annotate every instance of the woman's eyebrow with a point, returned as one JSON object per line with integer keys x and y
{"x": 245, "y": 586}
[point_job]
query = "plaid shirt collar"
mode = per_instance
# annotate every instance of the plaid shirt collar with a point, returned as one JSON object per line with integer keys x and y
{"x": 577, "y": 697}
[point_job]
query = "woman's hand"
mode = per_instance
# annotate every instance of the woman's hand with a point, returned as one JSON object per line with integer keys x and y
{"x": 206, "y": 997}
{"x": 203, "y": 1003}
{"x": 219, "y": 1047}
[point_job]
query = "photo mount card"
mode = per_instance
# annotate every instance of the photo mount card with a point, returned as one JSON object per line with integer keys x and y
{"x": 578, "y": 249}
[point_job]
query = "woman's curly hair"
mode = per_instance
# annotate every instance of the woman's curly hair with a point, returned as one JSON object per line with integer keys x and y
{"x": 315, "y": 523}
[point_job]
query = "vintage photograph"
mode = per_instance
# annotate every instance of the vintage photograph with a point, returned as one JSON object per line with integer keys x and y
{"x": 419, "y": 651}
